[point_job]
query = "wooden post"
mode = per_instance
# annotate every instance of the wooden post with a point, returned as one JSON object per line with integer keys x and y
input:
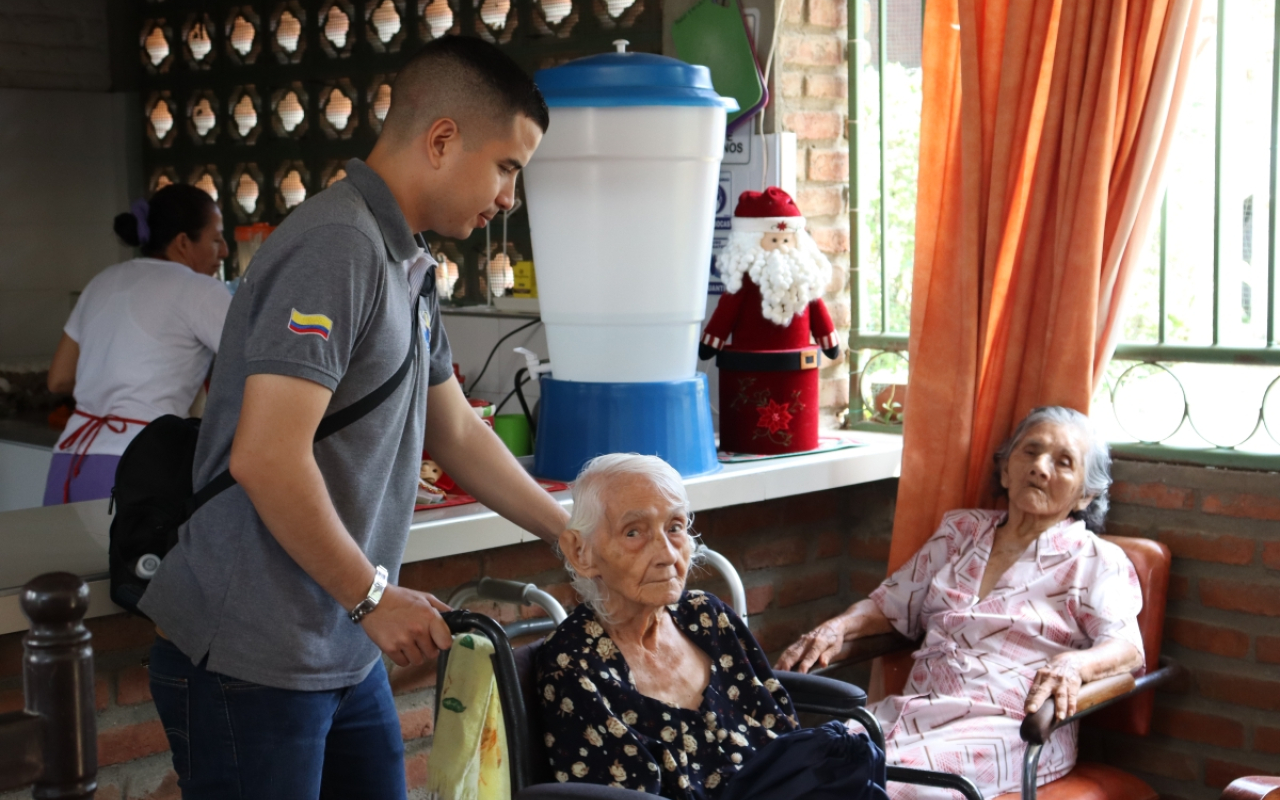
{"x": 58, "y": 680}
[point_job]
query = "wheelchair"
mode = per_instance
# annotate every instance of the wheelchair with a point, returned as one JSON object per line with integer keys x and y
{"x": 514, "y": 671}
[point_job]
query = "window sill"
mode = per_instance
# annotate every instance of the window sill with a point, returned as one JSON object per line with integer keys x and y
{"x": 1219, "y": 457}
{"x": 871, "y": 426}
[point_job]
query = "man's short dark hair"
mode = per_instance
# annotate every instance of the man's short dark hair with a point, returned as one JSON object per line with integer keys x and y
{"x": 464, "y": 79}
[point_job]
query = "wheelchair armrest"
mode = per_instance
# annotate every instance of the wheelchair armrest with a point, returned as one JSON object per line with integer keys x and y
{"x": 865, "y": 649}
{"x": 576, "y": 791}
{"x": 1096, "y": 695}
{"x": 818, "y": 695}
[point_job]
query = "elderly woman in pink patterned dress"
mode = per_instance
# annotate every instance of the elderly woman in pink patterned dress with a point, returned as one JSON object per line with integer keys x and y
{"x": 1014, "y": 607}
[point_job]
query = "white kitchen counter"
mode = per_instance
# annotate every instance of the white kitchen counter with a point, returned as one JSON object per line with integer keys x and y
{"x": 73, "y": 538}
{"x": 26, "y": 448}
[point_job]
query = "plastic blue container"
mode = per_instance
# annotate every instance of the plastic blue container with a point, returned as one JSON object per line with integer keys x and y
{"x": 579, "y": 421}
{"x": 629, "y": 79}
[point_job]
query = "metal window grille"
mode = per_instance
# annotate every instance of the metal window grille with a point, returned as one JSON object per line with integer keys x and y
{"x": 1197, "y": 363}
{"x": 884, "y": 125}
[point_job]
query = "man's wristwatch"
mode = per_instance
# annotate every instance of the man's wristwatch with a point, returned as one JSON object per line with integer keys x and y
{"x": 370, "y": 602}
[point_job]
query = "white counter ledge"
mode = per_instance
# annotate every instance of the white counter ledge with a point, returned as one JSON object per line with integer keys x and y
{"x": 73, "y": 538}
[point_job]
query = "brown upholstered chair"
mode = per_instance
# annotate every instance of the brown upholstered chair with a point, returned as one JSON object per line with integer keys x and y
{"x": 1120, "y": 703}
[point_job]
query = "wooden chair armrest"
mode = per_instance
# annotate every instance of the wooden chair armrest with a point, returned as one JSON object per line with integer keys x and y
{"x": 1037, "y": 727}
{"x": 1096, "y": 695}
{"x": 1255, "y": 787}
{"x": 1097, "y": 692}
{"x": 866, "y": 648}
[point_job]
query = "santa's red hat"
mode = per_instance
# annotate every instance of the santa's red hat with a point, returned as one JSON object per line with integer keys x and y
{"x": 772, "y": 210}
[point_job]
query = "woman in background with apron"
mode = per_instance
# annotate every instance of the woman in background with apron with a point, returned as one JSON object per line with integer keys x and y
{"x": 140, "y": 339}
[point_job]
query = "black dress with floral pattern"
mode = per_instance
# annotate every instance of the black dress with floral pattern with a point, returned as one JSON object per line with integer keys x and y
{"x": 601, "y": 729}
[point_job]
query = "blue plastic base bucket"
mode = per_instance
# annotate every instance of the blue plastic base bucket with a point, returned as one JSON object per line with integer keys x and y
{"x": 579, "y": 421}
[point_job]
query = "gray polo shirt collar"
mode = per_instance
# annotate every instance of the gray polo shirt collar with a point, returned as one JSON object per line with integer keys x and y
{"x": 395, "y": 229}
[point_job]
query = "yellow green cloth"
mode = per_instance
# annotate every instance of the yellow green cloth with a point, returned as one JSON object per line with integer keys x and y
{"x": 469, "y": 749}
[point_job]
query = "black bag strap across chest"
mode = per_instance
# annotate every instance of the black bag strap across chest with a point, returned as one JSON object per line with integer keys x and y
{"x": 346, "y": 416}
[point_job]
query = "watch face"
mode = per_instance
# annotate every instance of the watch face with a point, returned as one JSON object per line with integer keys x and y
{"x": 375, "y": 595}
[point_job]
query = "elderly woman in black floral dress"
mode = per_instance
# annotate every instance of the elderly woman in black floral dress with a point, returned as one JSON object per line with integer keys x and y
{"x": 646, "y": 685}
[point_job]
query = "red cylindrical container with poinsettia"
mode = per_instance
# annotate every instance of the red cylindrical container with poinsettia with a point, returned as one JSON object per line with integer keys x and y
{"x": 768, "y": 411}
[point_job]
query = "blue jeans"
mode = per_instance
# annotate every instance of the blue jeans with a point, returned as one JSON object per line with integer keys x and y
{"x": 235, "y": 739}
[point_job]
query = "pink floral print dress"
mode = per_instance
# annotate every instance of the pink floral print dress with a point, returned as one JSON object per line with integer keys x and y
{"x": 962, "y": 706}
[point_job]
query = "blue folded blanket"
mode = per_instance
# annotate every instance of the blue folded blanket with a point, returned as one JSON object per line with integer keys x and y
{"x": 826, "y": 763}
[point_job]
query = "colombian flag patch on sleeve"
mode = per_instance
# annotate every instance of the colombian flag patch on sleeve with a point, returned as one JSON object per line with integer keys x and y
{"x": 303, "y": 324}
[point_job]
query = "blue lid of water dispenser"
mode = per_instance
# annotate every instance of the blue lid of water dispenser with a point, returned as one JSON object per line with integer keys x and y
{"x": 629, "y": 79}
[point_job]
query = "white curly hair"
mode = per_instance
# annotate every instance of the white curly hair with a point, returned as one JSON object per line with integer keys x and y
{"x": 789, "y": 279}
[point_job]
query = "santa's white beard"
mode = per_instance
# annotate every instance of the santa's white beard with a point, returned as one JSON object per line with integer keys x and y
{"x": 788, "y": 279}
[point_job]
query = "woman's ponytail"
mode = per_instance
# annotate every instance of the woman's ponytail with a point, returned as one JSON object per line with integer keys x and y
{"x": 126, "y": 227}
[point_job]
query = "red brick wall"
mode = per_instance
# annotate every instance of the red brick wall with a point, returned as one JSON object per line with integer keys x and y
{"x": 811, "y": 99}
{"x": 1223, "y": 624}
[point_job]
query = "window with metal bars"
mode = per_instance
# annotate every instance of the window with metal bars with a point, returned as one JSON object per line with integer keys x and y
{"x": 884, "y": 142}
{"x": 1198, "y": 365}
{"x": 260, "y": 103}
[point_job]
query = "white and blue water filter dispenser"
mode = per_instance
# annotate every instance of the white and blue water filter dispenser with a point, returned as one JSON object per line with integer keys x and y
{"x": 621, "y": 210}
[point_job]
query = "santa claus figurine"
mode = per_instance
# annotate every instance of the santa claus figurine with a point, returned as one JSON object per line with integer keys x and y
{"x": 774, "y": 276}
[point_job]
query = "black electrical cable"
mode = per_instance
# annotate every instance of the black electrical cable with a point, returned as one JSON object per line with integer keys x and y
{"x": 476, "y": 380}
{"x": 525, "y": 407}
{"x": 522, "y": 377}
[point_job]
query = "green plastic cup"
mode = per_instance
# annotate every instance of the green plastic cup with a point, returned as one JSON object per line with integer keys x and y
{"x": 513, "y": 430}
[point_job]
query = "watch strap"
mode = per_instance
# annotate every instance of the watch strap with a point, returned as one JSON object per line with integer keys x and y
{"x": 370, "y": 602}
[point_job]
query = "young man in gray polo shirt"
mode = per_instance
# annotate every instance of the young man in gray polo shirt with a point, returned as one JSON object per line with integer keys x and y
{"x": 271, "y": 609}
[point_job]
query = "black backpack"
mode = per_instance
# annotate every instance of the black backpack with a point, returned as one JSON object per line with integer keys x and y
{"x": 150, "y": 498}
{"x": 153, "y": 493}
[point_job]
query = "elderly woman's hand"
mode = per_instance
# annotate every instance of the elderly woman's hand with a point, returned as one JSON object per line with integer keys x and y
{"x": 1059, "y": 679}
{"x": 819, "y": 646}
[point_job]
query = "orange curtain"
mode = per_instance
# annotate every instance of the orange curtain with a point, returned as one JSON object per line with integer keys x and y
{"x": 1045, "y": 128}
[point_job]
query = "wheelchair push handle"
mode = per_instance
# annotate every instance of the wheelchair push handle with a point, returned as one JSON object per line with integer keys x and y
{"x": 520, "y": 594}
{"x": 502, "y": 591}
{"x": 727, "y": 571}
